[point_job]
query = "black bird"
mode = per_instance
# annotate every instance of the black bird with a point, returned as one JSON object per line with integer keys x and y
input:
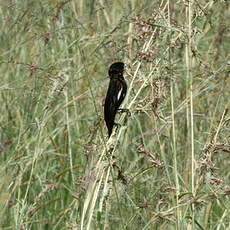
{"x": 115, "y": 94}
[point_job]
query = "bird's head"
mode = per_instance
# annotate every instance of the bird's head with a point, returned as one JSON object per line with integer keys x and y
{"x": 116, "y": 69}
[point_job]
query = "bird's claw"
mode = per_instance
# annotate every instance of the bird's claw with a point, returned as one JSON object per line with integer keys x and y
{"x": 117, "y": 125}
{"x": 125, "y": 111}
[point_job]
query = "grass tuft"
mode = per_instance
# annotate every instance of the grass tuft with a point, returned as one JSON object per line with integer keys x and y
{"x": 166, "y": 167}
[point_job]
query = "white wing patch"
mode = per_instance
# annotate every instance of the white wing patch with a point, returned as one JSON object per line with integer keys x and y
{"x": 119, "y": 93}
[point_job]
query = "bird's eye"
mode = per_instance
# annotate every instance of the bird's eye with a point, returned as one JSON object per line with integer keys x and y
{"x": 115, "y": 72}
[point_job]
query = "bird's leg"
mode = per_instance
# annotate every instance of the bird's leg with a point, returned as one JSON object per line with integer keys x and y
{"x": 125, "y": 111}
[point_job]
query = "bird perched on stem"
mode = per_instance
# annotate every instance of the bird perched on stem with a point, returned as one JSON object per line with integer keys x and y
{"x": 115, "y": 94}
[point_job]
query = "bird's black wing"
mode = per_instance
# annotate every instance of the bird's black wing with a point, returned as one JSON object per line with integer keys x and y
{"x": 115, "y": 95}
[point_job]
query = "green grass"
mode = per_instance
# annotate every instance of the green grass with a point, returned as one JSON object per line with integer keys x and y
{"x": 166, "y": 167}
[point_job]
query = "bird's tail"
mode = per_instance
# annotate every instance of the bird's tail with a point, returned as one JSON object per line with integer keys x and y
{"x": 110, "y": 128}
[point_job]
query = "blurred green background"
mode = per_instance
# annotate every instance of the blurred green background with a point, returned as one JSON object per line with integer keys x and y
{"x": 166, "y": 167}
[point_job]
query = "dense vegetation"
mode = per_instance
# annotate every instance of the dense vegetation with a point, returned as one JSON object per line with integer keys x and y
{"x": 166, "y": 166}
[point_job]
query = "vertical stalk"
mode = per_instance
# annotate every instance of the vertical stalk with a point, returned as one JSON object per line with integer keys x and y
{"x": 175, "y": 168}
{"x": 190, "y": 82}
{"x": 69, "y": 149}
